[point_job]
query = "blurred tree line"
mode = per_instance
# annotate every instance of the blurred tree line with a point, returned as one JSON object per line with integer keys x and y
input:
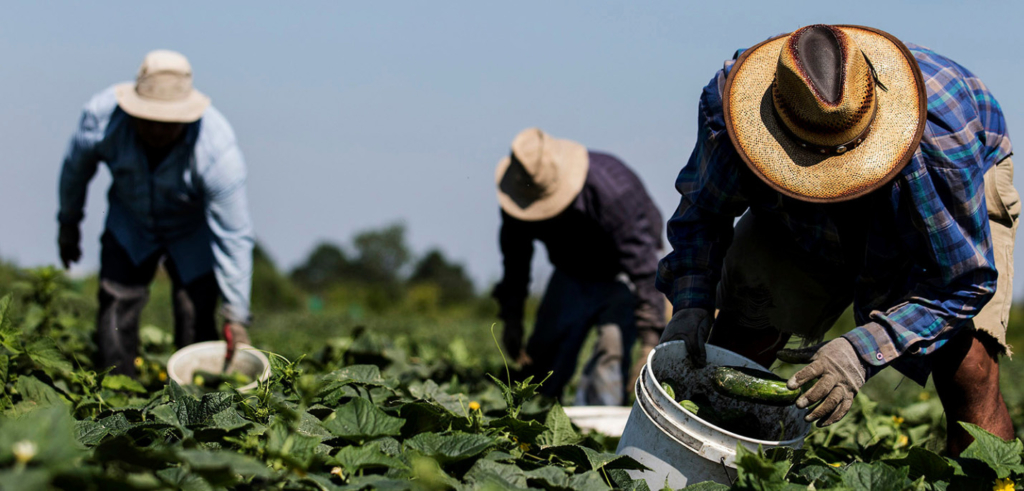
{"x": 377, "y": 272}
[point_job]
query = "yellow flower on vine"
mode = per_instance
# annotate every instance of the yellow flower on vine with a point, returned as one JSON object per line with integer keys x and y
{"x": 836, "y": 464}
{"x": 897, "y": 419}
{"x": 138, "y": 362}
{"x": 474, "y": 406}
{"x": 902, "y": 441}
{"x": 336, "y": 471}
{"x": 1004, "y": 485}
{"x": 162, "y": 376}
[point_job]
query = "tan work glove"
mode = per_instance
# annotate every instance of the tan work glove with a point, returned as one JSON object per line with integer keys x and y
{"x": 234, "y": 334}
{"x": 840, "y": 375}
{"x": 692, "y": 326}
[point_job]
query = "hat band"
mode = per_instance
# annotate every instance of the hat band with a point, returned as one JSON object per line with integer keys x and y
{"x": 828, "y": 149}
{"x": 164, "y": 86}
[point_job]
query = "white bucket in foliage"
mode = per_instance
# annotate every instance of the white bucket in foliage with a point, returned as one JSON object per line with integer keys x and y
{"x": 608, "y": 420}
{"x": 679, "y": 447}
{"x": 208, "y": 356}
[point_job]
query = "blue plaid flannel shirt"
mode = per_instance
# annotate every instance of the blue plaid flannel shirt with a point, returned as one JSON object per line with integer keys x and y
{"x": 928, "y": 265}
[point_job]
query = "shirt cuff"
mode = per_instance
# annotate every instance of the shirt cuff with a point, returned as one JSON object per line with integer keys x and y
{"x": 693, "y": 291}
{"x": 873, "y": 344}
{"x": 686, "y": 290}
{"x": 232, "y": 314}
{"x": 68, "y": 218}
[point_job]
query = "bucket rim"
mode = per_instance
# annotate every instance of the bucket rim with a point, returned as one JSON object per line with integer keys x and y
{"x": 180, "y": 354}
{"x": 657, "y": 387}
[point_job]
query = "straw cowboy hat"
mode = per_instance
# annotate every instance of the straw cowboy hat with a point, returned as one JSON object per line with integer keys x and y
{"x": 826, "y": 113}
{"x": 542, "y": 176}
{"x": 163, "y": 90}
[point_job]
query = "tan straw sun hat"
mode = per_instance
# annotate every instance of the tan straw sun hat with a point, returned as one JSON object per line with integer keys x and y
{"x": 163, "y": 90}
{"x": 542, "y": 176}
{"x": 826, "y": 113}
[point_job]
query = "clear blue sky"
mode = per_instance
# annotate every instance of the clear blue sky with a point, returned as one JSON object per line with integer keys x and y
{"x": 352, "y": 115}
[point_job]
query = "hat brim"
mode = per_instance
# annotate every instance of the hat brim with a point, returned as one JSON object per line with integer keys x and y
{"x": 805, "y": 174}
{"x": 572, "y": 161}
{"x": 187, "y": 110}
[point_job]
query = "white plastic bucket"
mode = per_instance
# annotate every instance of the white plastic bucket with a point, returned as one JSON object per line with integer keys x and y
{"x": 607, "y": 420}
{"x": 679, "y": 447}
{"x": 208, "y": 356}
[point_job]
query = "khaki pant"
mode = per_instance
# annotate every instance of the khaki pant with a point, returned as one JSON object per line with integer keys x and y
{"x": 768, "y": 281}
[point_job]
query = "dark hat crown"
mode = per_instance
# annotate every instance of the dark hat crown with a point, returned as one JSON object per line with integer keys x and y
{"x": 824, "y": 89}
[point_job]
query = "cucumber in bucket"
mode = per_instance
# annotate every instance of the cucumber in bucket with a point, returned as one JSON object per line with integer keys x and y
{"x": 753, "y": 385}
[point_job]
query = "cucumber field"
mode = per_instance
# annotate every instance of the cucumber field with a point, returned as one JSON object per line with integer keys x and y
{"x": 389, "y": 402}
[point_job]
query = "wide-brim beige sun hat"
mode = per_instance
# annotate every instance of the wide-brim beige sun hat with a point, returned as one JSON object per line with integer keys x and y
{"x": 163, "y": 90}
{"x": 842, "y": 172}
{"x": 542, "y": 176}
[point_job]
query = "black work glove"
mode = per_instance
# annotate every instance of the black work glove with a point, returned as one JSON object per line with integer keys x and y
{"x": 68, "y": 243}
{"x": 840, "y": 375}
{"x": 512, "y": 337}
{"x": 692, "y": 326}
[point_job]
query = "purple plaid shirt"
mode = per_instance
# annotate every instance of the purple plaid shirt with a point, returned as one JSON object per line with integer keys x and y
{"x": 612, "y": 227}
{"x": 925, "y": 265}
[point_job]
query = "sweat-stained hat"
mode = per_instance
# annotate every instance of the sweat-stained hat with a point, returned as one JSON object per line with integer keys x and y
{"x": 163, "y": 90}
{"x": 542, "y": 176}
{"x": 826, "y": 113}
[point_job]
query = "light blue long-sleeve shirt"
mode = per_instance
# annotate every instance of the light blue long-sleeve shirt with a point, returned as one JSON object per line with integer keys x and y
{"x": 193, "y": 205}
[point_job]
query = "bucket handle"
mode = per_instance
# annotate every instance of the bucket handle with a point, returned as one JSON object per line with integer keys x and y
{"x": 725, "y": 469}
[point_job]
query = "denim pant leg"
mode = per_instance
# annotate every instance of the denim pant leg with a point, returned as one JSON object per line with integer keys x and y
{"x": 123, "y": 293}
{"x": 603, "y": 382}
{"x": 195, "y": 307}
{"x": 563, "y": 319}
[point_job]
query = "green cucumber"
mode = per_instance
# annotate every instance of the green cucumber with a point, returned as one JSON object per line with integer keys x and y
{"x": 668, "y": 390}
{"x": 757, "y": 386}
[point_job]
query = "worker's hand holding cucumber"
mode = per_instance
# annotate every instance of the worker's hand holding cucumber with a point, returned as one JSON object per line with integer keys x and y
{"x": 692, "y": 326}
{"x": 840, "y": 375}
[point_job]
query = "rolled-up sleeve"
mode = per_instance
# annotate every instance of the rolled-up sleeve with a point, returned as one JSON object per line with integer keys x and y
{"x": 80, "y": 163}
{"x": 516, "y": 241}
{"x": 233, "y": 240}
{"x": 955, "y": 272}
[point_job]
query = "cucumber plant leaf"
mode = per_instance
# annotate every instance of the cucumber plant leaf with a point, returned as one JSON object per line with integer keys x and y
{"x": 123, "y": 383}
{"x": 922, "y": 462}
{"x": 862, "y": 476}
{"x": 359, "y": 420}
{"x": 449, "y": 448}
{"x": 355, "y": 458}
{"x": 1002, "y": 456}
{"x": 560, "y": 430}
{"x": 44, "y": 352}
